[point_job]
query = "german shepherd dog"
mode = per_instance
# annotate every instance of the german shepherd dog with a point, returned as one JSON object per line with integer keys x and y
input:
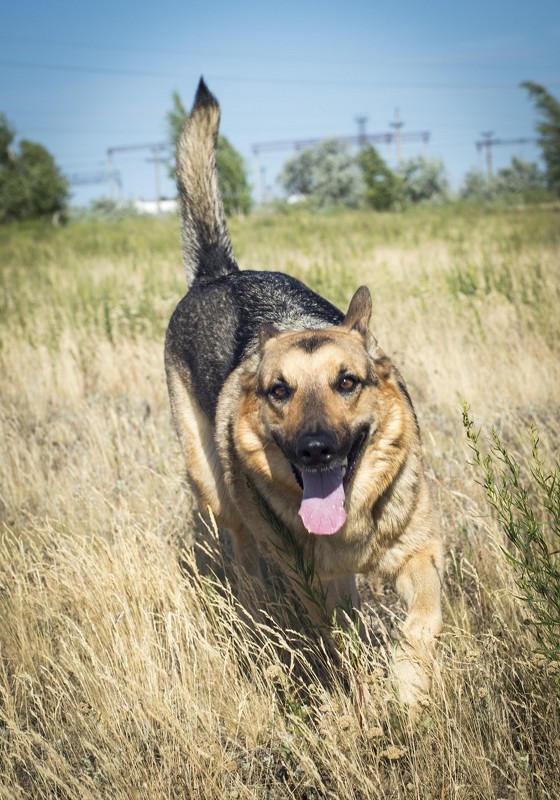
{"x": 282, "y": 402}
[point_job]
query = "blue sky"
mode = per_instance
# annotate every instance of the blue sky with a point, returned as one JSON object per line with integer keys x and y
{"x": 84, "y": 77}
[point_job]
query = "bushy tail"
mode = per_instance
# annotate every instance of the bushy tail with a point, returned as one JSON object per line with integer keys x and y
{"x": 207, "y": 250}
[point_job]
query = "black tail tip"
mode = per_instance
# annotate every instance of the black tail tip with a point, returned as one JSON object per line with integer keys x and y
{"x": 204, "y": 96}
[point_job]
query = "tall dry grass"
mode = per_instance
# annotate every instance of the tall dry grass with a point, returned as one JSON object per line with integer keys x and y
{"x": 127, "y": 667}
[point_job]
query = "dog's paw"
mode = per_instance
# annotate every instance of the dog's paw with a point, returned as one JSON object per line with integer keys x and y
{"x": 413, "y": 681}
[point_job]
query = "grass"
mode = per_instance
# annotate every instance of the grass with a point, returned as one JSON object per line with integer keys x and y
{"x": 127, "y": 667}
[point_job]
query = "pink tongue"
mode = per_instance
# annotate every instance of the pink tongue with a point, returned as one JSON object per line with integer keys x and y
{"x": 322, "y": 507}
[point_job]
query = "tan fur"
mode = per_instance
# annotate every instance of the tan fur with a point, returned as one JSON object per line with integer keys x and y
{"x": 201, "y": 206}
{"x": 389, "y": 529}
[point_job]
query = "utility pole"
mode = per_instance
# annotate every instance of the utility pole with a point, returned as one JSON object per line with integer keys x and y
{"x": 156, "y": 160}
{"x": 111, "y": 174}
{"x": 155, "y": 148}
{"x": 362, "y": 140}
{"x": 262, "y": 177}
{"x": 397, "y": 125}
{"x": 257, "y": 175}
{"x": 487, "y": 143}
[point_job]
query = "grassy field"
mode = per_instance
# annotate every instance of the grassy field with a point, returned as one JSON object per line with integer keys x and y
{"x": 127, "y": 668}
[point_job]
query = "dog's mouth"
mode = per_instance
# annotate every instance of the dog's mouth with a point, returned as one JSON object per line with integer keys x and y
{"x": 324, "y": 490}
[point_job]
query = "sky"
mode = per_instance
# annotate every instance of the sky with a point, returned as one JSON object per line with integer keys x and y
{"x": 83, "y": 78}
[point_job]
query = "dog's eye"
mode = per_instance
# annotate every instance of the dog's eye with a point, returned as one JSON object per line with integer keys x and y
{"x": 279, "y": 391}
{"x": 347, "y": 383}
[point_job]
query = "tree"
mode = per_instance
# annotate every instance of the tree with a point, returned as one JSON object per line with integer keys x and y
{"x": 232, "y": 178}
{"x": 549, "y": 131}
{"x": 520, "y": 178}
{"x": 424, "y": 180}
{"x": 476, "y": 186}
{"x": 297, "y": 173}
{"x": 31, "y": 184}
{"x": 7, "y": 136}
{"x": 384, "y": 190}
{"x": 326, "y": 173}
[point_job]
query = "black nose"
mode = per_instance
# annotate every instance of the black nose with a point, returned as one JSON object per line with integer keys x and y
{"x": 315, "y": 450}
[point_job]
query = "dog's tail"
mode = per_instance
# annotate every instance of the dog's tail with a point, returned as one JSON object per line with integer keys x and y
{"x": 207, "y": 250}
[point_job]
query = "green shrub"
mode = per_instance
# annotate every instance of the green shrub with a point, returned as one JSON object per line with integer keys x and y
{"x": 31, "y": 184}
{"x": 526, "y": 497}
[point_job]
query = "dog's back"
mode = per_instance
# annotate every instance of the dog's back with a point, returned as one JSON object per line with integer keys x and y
{"x": 216, "y": 324}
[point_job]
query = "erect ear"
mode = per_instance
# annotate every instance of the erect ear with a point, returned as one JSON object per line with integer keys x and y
{"x": 359, "y": 312}
{"x": 267, "y": 331}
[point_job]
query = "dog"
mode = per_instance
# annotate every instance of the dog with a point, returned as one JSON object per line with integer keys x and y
{"x": 292, "y": 418}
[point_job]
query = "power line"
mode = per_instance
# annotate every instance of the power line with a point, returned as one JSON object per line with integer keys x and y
{"x": 100, "y": 176}
{"x": 370, "y": 138}
{"x": 155, "y": 147}
{"x": 88, "y": 69}
{"x": 128, "y": 147}
{"x": 267, "y": 56}
{"x": 430, "y": 87}
{"x": 397, "y": 124}
{"x": 369, "y": 84}
{"x": 488, "y": 142}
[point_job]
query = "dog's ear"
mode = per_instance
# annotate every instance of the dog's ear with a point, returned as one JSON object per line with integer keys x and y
{"x": 359, "y": 312}
{"x": 267, "y": 331}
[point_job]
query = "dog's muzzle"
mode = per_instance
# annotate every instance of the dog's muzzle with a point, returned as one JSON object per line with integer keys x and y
{"x": 323, "y": 473}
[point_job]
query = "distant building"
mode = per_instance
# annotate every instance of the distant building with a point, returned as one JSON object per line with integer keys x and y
{"x": 155, "y": 206}
{"x": 294, "y": 199}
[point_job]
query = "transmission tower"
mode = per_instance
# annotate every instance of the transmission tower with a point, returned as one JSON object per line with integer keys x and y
{"x": 101, "y": 176}
{"x": 156, "y": 149}
{"x": 397, "y": 125}
{"x": 488, "y": 142}
{"x": 361, "y": 122}
{"x": 370, "y": 138}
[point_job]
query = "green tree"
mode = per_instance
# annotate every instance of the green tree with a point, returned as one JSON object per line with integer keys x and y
{"x": 384, "y": 191}
{"x": 327, "y": 173}
{"x": 31, "y": 184}
{"x": 549, "y": 131}
{"x": 7, "y": 136}
{"x": 424, "y": 180}
{"x": 297, "y": 173}
{"x": 232, "y": 177}
{"x": 520, "y": 178}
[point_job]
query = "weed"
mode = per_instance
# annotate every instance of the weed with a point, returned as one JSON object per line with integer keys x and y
{"x": 527, "y": 501}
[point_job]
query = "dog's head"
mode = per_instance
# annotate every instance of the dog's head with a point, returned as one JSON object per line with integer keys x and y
{"x": 316, "y": 395}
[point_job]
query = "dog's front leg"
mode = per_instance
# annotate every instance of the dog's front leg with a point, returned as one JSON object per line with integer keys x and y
{"x": 419, "y": 584}
{"x": 245, "y": 551}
